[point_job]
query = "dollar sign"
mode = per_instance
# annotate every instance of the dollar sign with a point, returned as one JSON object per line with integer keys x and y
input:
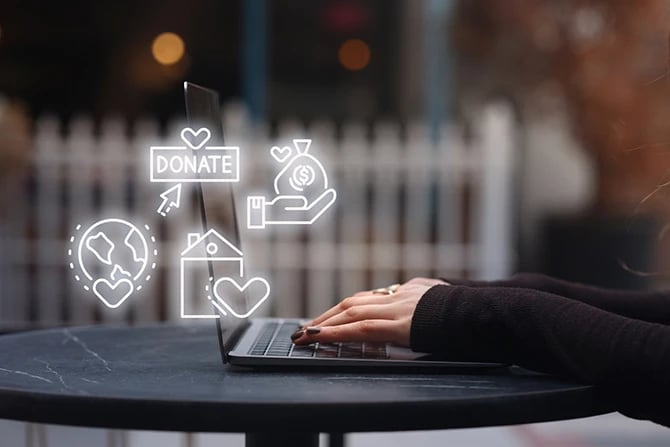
{"x": 302, "y": 176}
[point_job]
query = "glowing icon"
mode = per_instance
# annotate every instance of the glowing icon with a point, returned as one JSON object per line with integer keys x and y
{"x": 301, "y": 186}
{"x": 281, "y": 154}
{"x": 112, "y": 258}
{"x": 193, "y": 161}
{"x": 171, "y": 198}
{"x": 224, "y": 288}
{"x": 231, "y": 293}
{"x": 303, "y": 176}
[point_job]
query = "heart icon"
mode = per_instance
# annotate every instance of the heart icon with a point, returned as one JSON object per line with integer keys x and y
{"x": 281, "y": 154}
{"x": 112, "y": 295}
{"x": 227, "y": 291}
{"x": 195, "y": 139}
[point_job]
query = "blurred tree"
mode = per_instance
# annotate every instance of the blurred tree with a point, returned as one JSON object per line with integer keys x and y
{"x": 606, "y": 59}
{"x": 15, "y": 144}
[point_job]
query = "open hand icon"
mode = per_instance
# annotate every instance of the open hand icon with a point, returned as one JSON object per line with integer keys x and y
{"x": 287, "y": 209}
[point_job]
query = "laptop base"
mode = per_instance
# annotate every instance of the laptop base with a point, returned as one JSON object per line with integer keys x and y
{"x": 401, "y": 359}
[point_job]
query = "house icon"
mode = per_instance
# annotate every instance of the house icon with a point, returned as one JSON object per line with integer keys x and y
{"x": 226, "y": 259}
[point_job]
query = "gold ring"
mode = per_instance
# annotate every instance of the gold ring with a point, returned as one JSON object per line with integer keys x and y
{"x": 390, "y": 290}
{"x": 393, "y": 288}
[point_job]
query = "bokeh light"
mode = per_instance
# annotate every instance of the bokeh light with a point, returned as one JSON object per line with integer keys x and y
{"x": 354, "y": 54}
{"x": 168, "y": 48}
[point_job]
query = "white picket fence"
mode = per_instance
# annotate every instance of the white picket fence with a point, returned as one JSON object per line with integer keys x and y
{"x": 406, "y": 207}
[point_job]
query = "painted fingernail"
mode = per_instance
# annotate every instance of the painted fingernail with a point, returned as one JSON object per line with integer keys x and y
{"x": 313, "y": 330}
{"x": 297, "y": 334}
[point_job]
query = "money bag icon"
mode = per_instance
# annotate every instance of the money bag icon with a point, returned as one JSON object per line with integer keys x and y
{"x": 303, "y": 174}
{"x": 301, "y": 188}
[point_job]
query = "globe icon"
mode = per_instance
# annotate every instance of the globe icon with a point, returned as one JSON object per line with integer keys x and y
{"x": 112, "y": 258}
{"x": 113, "y": 249}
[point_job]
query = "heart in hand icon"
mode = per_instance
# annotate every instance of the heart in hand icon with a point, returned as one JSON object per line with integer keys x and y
{"x": 229, "y": 292}
{"x": 112, "y": 295}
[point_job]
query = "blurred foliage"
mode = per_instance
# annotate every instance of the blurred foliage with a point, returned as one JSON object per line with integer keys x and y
{"x": 15, "y": 142}
{"x": 15, "y": 152}
{"x": 607, "y": 60}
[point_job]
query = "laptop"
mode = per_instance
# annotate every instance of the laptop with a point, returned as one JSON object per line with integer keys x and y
{"x": 266, "y": 342}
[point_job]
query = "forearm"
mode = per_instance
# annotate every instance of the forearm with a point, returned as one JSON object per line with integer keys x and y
{"x": 541, "y": 331}
{"x": 628, "y": 358}
{"x": 651, "y": 306}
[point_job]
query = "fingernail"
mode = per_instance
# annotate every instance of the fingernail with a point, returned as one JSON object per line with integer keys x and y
{"x": 313, "y": 330}
{"x": 297, "y": 334}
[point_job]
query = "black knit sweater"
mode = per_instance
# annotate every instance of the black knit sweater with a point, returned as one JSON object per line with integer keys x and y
{"x": 616, "y": 340}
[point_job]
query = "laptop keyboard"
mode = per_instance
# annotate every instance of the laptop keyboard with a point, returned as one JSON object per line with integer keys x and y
{"x": 275, "y": 340}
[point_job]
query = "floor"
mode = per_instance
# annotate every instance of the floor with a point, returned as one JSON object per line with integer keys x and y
{"x": 611, "y": 430}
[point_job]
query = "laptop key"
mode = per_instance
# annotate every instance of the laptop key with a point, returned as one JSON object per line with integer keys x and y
{"x": 327, "y": 351}
{"x": 375, "y": 351}
{"x": 281, "y": 344}
{"x": 274, "y": 341}
{"x": 351, "y": 350}
{"x": 264, "y": 339}
{"x": 278, "y": 351}
{"x": 303, "y": 351}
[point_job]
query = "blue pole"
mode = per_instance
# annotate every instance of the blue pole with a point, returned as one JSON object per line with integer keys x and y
{"x": 436, "y": 62}
{"x": 254, "y": 58}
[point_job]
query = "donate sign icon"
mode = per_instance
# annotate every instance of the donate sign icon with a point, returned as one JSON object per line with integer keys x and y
{"x": 195, "y": 160}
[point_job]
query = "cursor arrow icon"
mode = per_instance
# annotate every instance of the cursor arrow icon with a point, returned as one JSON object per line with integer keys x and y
{"x": 171, "y": 198}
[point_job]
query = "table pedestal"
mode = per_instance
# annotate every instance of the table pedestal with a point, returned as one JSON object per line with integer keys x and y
{"x": 287, "y": 439}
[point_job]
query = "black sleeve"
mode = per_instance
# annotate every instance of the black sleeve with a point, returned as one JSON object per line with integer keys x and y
{"x": 651, "y": 306}
{"x": 628, "y": 358}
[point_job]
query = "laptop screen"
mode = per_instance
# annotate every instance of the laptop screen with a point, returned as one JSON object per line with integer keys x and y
{"x": 217, "y": 208}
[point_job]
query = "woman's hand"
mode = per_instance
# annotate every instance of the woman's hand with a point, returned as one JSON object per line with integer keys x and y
{"x": 368, "y": 316}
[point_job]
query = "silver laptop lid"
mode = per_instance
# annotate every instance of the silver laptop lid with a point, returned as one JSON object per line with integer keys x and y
{"x": 216, "y": 202}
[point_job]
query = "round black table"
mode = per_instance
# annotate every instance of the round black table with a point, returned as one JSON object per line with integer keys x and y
{"x": 170, "y": 377}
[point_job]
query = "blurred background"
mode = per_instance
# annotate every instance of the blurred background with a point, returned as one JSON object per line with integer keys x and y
{"x": 465, "y": 139}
